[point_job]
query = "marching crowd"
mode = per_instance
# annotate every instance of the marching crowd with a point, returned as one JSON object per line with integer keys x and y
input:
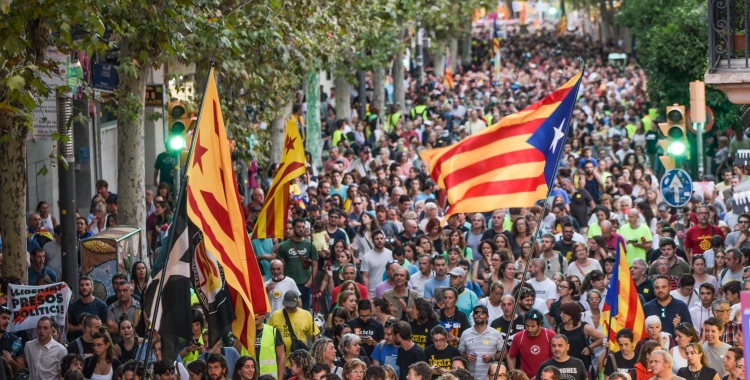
{"x": 372, "y": 283}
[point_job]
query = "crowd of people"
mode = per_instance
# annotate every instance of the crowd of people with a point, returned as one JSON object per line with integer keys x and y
{"x": 371, "y": 282}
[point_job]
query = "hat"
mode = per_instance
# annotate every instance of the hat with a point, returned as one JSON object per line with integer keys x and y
{"x": 457, "y": 271}
{"x": 290, "y": 298}
{"x": 480, "y": 306}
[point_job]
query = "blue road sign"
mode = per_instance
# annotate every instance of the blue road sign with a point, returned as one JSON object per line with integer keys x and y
{"x": 676, "y": 187}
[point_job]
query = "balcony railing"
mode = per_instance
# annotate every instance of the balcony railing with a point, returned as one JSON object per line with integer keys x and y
{"x": 728, "y": 27}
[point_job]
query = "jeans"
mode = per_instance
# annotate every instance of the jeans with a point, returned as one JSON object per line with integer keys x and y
{"x": 304, "y": 292}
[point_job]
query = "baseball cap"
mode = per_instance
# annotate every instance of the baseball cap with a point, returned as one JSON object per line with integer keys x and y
{"x": 480, "y": 306}
{"x": 290, "y": 298}
{"x": 457, "y": 271}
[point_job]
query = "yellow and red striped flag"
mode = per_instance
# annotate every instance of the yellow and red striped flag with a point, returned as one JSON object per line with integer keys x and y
{"x": 273, "y": 217}
{"x": 448, "y": 72}
{"x": 214, "y": 207}
{"x": 622, "y": 305}
{"x": 510, "y": 164}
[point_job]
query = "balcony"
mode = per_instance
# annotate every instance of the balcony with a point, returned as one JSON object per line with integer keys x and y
{"x": 728, "y": 49}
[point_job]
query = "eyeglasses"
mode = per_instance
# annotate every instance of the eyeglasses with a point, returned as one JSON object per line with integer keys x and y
{"x": 391, "y": 262}
{"x": 358, "y": 371}
{"x": 722, "y": 311}
{"x": 744, "y": 222}
{"x": 562, "y": 287}
{"x": 549, "y": 267}
{"x": 438, "y": 340}
{"x": 590, "y": 299}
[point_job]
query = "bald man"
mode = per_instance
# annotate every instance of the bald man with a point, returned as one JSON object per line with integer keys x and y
{"x": 278, "y": 285}
{"x": 637, "y": 236}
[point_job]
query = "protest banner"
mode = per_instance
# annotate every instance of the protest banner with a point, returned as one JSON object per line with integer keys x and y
{"x": 28, "y": 304}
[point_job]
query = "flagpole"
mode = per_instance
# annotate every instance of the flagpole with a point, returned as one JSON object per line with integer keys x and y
{"x": 538, "y": 234}
{"x": 171, "y": 236}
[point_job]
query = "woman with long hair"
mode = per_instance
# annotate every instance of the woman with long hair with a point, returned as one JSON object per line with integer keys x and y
{"x": 454, "y": 254}
{"x": 497, "y": 274}
{"x": 323, "y": 351}
{"x": 643, "y": 366}
{"x": 719, "y": 261}
{"x": 684, "y": 335}
{"x": 501, "y": 242}
{"x": 130, "y": 342}
{"x": 139, "y": 276}
{"x": 697, "y": 364}
{"x": 456, "y": 239}
{"x": 483, "y": 268}
{"x": 422, "y": 319}
{"x": 102, "y": 364}
{"x": 166, "y": 194}
{"x": 425, "y": 246}
{"x": 523, "y": 260}
{"x": 598, "y": 248}
{"x": 521, "y": 234}
{"x": 582, "y": 337}
{"x": 577, "y": 282}
{"x": 582, "y": 264}
{"x": 246, "y": 368}
{"x": 653, "y": 197}
{"x": 434, "y": 233}
{"x": 300, "y": 365}
{"x": 381, "y": 310}
{"x": 363, "y": 240}
{"x": 349, "y": 347}
{"x": 648, "y": 215}
{"x": 474, "y": 236}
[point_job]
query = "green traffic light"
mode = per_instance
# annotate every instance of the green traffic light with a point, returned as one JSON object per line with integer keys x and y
{"x": 552, "y": 11}
{"x": 177, "y": 142}
{"x": 677, "y": 148}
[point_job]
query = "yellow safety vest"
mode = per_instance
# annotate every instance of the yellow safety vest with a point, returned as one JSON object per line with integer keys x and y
{"x": 267, "y": 356}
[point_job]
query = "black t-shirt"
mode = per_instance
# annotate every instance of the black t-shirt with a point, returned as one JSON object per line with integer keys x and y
{"x": 78, "y": 308}
{"x": 565, "y": 249}
{"x": 571, "y": 369}
{"x": 579, "y": 201}
{"x": 407, "y": 358}
{"x": 456, "y": 324}
{"x": 656, "y": 253}
{"x": 372, "y": 329}
{"x": 706, "y": 373}
{"x": 646, "y": 289}
{"x": 338, "y": 235}
{"x": 652, "y": 138}
{"x": 442, "y": 358}
{"x": 490, "y": 235}
{"x": 506, "y": 328}
{"x": 259, "y": 335}
{"x": 76, "y": 346}
{"x": 554, "y": 311}
{"x": 420, "y": 334}
{"x": 623, "y": 365}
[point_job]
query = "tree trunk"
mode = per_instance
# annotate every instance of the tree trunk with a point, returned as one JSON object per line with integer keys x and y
{"x": 439, "y": 59}
{"x": 466, "y": 50}
{"x": 378, "y": 91}
{"x": 399, "y": 96}
{"x": 343, "y": 98}
{"x": 278, "y": 128}
{"x": 314, "y": 134}
{"x": 454, "y": 54}
{"x": 131, "y": 164}
{"x": 13, "y": 180}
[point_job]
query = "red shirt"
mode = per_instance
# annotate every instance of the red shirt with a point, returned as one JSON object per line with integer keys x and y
{"x": 336, "y": 290}
{"x": 531, "y": 352}
{"x": 699, "y": 239}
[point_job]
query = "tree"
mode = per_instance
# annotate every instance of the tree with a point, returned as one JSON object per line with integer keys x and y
{"x": 671, "y": 44}
{"x": 26, "y": 34}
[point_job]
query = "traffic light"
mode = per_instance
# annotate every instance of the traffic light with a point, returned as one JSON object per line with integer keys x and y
{"x": 180, "y": 123}
{"x": 675, "y": 146}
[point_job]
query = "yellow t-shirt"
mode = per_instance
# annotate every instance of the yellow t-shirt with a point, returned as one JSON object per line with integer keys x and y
{"x": 628, "y": 233}
{"x": 302, "y": 323}
{"x": 319, "y": 241}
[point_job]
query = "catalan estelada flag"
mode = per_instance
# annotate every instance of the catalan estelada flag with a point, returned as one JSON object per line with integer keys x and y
{"x": 213, "y": 206}
{"x": 621, "y": 305}
{"x": 495, "y": 53}
{"x": 510, "y": 164}
{"x": 448, "y": 72}
{"x": 562, "y": 25}
{"x": 273, "y": 217}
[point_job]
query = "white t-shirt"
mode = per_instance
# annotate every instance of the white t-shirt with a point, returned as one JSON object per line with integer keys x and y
{"x": 544, "y": 289}
{"x": 374, "y": 264}
{"x": 276, "y": 295}
{"x": 686, "y": 300}
{"x": 494, "y": 311}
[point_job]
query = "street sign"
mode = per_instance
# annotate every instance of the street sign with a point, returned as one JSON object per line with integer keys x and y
{"x": 707, "y": 124}
{"x": 676, "y": 187}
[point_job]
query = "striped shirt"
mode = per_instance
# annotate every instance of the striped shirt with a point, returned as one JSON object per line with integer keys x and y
{"x": 489, "y": 342}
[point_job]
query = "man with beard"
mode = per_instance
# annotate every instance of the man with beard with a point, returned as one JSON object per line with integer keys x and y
{"x": 671, "y": 311}
{"x": 217, "y": 367}
{"x": 480, "y": 345}
{"x": 278, "y": 285}
{"x": 301, "y": 321}
{"x": 531, "y": 346}
{"x": 10, "y": 345}
{"x": 676, "y": 266}
{"x": 374, "y": 262}
{"x": 698, "y": 237}
{"x": 570, "y": 368}
{"x": 386, "y": 352}
{"x": 300, "y": 260}
{"x": 366, "y": 328}
{"x": 439, "y": 280}
{"x": 85, "y": 304}
{"x": 408, "y": 351}
{"x": 82, "y": 345}
{"x": 510, "y": 322}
